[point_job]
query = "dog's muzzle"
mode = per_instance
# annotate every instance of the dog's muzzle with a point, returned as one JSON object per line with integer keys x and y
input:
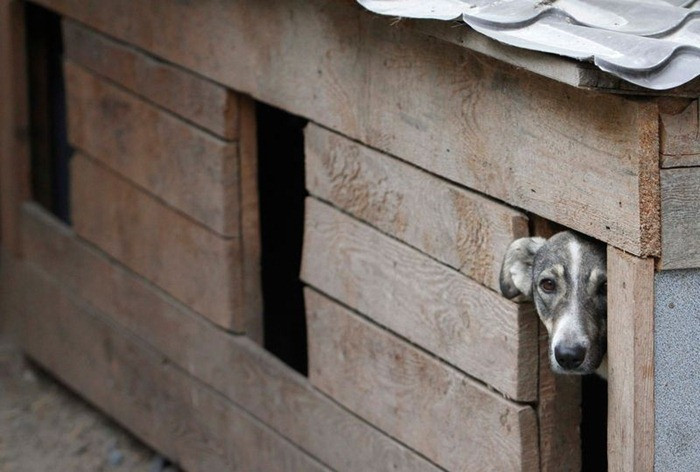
{"x": 570, "y": 357}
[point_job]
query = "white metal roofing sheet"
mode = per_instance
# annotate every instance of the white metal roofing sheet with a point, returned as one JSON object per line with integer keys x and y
{"x": 651, "y": 43}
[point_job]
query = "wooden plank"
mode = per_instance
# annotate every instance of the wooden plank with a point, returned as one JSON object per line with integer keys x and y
{"x": 583, "y": 159}
{"x": 558, "y": 398}
{"x": 430, "y": 304}
{"x": 453, "y": 420}
{"x": 680, "y": 217}
{"x": 235, "y": 42}
{"x": 179, "y": 91}
{"x": 250, "y": 220}
{"x": 241, "y": 370}
{"x": 562, "y": 69}
{"x": 630, "y": 362}
{"x": 167, "y": 408}
{"x": 196, "y": 266}
{"x": 462, "y": 229}
{"x": 14, "y": 123}
{"x": 184, "y": 166}
{"x": 680, "y": 133}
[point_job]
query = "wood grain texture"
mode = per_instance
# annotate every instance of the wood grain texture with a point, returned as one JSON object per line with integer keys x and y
{"x": 250, "y": 220}
{"x": 233, "y": 365}
{"x": 559, "y": 68}
{"x": 14, "y": 123}
{"x": 430, "y": 304}
{"x": 170, "y": 410}
{"x": 583, "y": 159}
{"x": 558, "y": 398}
{"x": 440, "y": 412}
{"x": 195, "y": 265}
{"x": 459, "y": 228}
{"x": 679, "y": 133}
{"x": 562, "y": 69}
{"x": 630, "y": 362}
{"x": 179, "y": 91}
{"x": 184, "y": 166}
{"x": 680, "y": 218}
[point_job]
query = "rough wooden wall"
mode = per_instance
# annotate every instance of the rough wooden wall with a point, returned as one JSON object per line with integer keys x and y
{"x": 417, "y": 189}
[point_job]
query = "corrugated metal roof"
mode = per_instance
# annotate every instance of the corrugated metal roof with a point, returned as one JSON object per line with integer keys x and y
{"x": 651, "y": 43}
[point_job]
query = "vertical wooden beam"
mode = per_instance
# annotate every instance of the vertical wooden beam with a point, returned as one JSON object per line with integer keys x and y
{"x": 630, "y": 362}
{"x": 14, "y": 125}
{"x": 250, "y": 219}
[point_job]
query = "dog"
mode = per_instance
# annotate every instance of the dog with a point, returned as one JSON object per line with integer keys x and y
{"x": 566, "y": 278}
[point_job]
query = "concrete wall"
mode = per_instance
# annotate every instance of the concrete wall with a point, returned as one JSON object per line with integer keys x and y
{"x": 677, "y": 381}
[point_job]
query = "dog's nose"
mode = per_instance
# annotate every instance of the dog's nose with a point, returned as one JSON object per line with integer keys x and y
{"x": 570, "y": 357}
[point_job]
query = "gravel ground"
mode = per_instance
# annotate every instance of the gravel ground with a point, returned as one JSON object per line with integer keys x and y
{"x": 46, "y": 428}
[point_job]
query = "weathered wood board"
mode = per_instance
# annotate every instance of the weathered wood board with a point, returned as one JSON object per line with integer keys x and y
{"x": 14, "y": 123}
{"x": 630, "y": 362}
{"x": 251, "y": 246}
{"x": 195, "y": 265}
{"x": 583, "y": 159}
{"x": 679, "y": 133}
{"x": 233, "y": 365}
{"x": 194, "y": 98}
{"x": 460, "y": 228}
{"x": 454, "y": 421}
{"x": 167, "y": 408}
{"x": 580, "y": 74}
{"x": 680, "y": 218}
{"x": 430, "y": 304}
{"x": 180, "y": 164}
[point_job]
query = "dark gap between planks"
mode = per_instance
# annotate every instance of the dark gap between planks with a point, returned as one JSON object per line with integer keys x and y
{"x": 281, "y": 193}
{"x": 50, "y": 151}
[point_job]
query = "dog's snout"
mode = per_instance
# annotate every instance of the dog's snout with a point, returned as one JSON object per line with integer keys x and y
{"x": 570, "y": 357}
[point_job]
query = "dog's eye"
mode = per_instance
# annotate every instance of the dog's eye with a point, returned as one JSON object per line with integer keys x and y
{"x": 603, "y": 289}
{"x": 548, "y": 285}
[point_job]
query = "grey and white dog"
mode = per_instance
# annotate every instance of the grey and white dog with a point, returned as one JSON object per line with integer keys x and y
{"x": 565, "y": 276}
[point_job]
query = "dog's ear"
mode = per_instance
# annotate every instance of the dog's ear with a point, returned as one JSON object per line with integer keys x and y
{"x": 516, "y": 272}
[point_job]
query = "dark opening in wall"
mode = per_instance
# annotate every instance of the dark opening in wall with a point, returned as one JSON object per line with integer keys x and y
{"x": 594, "y": 390}
{"x": 282, "y": 192}
{"x": 47, "y": 111}
{"x": 594, "y": 424}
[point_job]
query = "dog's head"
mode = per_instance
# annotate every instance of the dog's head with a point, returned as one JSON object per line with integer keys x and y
{"x": 566, "y": 278}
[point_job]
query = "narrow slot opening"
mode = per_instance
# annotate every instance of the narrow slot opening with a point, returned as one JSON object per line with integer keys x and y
{"x": 281, "y": 199}
{"x": 50, "y": 151}
{"x": 594, "y": 424}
